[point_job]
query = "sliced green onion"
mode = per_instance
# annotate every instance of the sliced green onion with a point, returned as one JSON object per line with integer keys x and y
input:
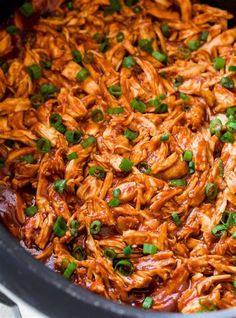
{"x": 27, "y": 9}
{"x": 184, "y": 97}
{"x": 234, "y": 238}
{"x": 116, "y": 193}
{"x": 138, "y": 105}
{"x": 227, "y": 82}
{"x": 37, "y": 100}
{"x": 204, "y": 36}
{"x": 137, "y": 10}
{"x": 144, "y": 167}
{"x": 78, "y": 253}
{"x": 95, "y": 227}
{"x": 114, "y": 202}
{"x": 77, "y": 56}
{"x": 99, "y": 37}
{"x": 74, "y": 228}
{"x": 126, "y": 165}
{"x": 88, "y": 58}
{"x": 231, "y": 112}
{"x": 129, "y": 61}
{"x": 115, "y": 5}
{"x": 48, "y": 90}
{"x": 44, "y": 145}
{"x": 34, "y": 71}
{"x": 164, "y": 137}
{"x": 125, "y": 267}
{"x": 149, "y": 249}
{"x": 232, "y": 68}
{"x": 145, "y": 45}
{"x": 159, "y": 56}
{"x": 219, "y": 63}
{"x": 130, "y": 134}
{"x": 165, "y": 29}
{"x": 104, "y": 46}
{"x": 12, "y": 29}
{"x": 193, "y": 45}
{"x": 55, "y": 120}
{"x": 115, "y": 91}
{"x": 188, "y": 155}
{"x": 178, "y": 81}
{"x": 231, "y": 126}
{"x": 69, "y": 5}
{"x": 88, "y": 142}
{"x": 82, "y": 74}
{"x": 73, "y": 136}
{"x": 72, "y": 156}
{"x": 221, "y": 168}
{"x": 120, "y": 37}
{"x": 211, "y": 191}
{"x": 70, "y": 270}
{"x": 97, "y": 115}
{"x": 218, "y": 230}
{"x": 128, "y": 250}
{"x": 109, "y": 253}
{"x": 231, "y": 219}
{"x": 147, "y": 303}
{"x": 191, "y": 167}
{"x": 60, "y": 185}
{"x": 31, "y": 210}
{"x": 115, "y": 110}
{"x": 178, "y": 183}
{"x": 97, "y": 172}
{"x": 131, "y": 3}
{"x": 224, "y": 218}
{"x": 215, "y": 126}
{"x": 176, "y": 218}
{"x": 60, "y": 227}
{"x": 227, "y": 137}
{"x": 27, "y": 158}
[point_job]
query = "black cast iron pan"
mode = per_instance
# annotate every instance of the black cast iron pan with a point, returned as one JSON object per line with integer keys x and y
{"x": 49, "y": 292}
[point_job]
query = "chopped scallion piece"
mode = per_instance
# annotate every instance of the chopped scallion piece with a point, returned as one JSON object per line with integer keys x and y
{"x": 55, "y": 120}
{"x": 227, "y": 137}
{"x": 125, "y": 267}
{"x": 187, "y": 155}
{"x": 79, "y": 253}
{"x": 178, "y": 81}
{"x": 34, "y": 71}
{"x": 159, "y": 56}
{"x": 74, "y": 228}
{"x": 218, "y": 230}
{"x": 147, "y": 303}
{"x": 149, "y": 249}
{"x": 82, "y": 74}
{"x": 31, "y": 210}
{"x": 231, "y": 126}
{"x": 227, "y": 82}
{"x": 215, "y": 126}
{"x": 219, "y": 63}
{"x": 144, "y": 167}
{"x": 176, "y": 218}
{"x": 70, "y": 270}
{"x": 48, "y": 90}
{"x": 191, "y": 167}
{"x": 164, "y": 137}
{"x": 128, "y": 250}
{"x": 115, "y": 110}
{"x": 77, "y": 56}
{"x": 130, "y": 134}
{"x": 97, "y": 172}
{"x": 184, "y": 97}
{"x": 59, "y": 185}
{"x": 114, "y": 202}
{"x": 138, "y": 105}
{"x": 232, "y": 68}
{"x": 72, "y": 156}
{"x": 178, "y": 183}
{"x": 37, "y": 100}
{"x": 88, "y": 142}
{"x": 110, "y": 253}
{"x": 193, "y": 45}
{"x": 211, "y": 191}
{"x": 60, "y": 227}
{"x": 95, "y": 227}
{"x": 44, "y": 145}
{"x": 126, "y": 165}
{"x": 73, "y": 136}
{"x": 116, "y": 193}
{"x": 88, "y": 57}
{"x": 97, "y": 115}
{"x": 12, "y": 29}
{"x": 204, "y": 36}
{"x": 27, "y": 158}
{"x": 131, "y": 3}
{"x": 120, "y": 37}
{"x": 129, "y": 61}
{"x": 146, "y": 45}
{"x": 115, "y": 91}
{"x": 26, "y": 9}
{"x": 165, "y": 29}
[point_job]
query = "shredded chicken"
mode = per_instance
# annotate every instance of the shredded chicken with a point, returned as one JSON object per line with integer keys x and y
{"x": 118, "y": 150}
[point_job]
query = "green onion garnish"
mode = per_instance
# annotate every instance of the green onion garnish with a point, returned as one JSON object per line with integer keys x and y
{"x": 82, "y": 74}
{"x": 176, "y": 218}
{"x": 120, "y": 37}
{"x": 60, "y": 185}
{"x": 27, "y": 158}
{"x": 60, "y": 227}
{"x": 48, "y": 90}
{"x": 12, "y": 29}
{"x": 188, "y": 155}
{"x": 69, "y": 5}
{"x": 95, "y": 227}
{"x": 218, "y": 63}
{"x": 211, "y": 191}
{"x": 37, "y": 100}
{"x": 99, "y": 37}
{"x": 227, "y": 137}
{"x": 147, "y": 303}
{"x": 115, "y": 110}
{"x": 191, "y": 167}
{"x": 230, "y": 113}
{"x": 131, "y": 3}
{"x": 165, "y": 29}
{"x": 97, "y": 115}
{"x": 114, "y": 202}
{"x": 88, "y": 142}
{"x": 204, "y": 36}
{"x": 232, "y": 68}
{"x": 159, "y": 56}
{"x": 215, "y": 126}
{"x": 149, "y": 249}
{"x": 70, "y": 269}
{"x": 144, "y": 167}
{"x": 77, "y": 56}
{"x": 130, "y": 134}
{"x": 231, "y": 126}
{"x": 104, "y": 46}
{"x": 27, "y": 9}
{"x": 138, "y": 105}
{"x": 79, "y": 253}
{"x": 125, "y": 267}
{"x": 115, "y": 5}
{"x": 234, "y": 238}
{"x": 145, "y": 45}
{"x": 72, "y": 156}
{"x": 128, "y": 250}
{"x": 126, "y": 165}
{"x": 227, "y": 82}
{"x": 34, "y": 71}
{"x": 73, "y": 136}
{"x": 193, "y": 45}
{"x": 109, "y": 253}
{"x": 221, "y": 168}
{"x": 55, "y": 120}
{"x": 115, "y": 91}
{"x": 97, "y": 172}
{"x": 74, "y": 228}
{"x": 129, "y": 61}
{"x": 43, "y": 145}
{"x": 184, "y": 97}
{"x": 116, "y": 193}
{"x": 178, "y": 183}
{"x": 218, "y": 230}
{"x": 31, "y": 210}
{"x": 178, "y": 81}
{"x": 164, "y": 137}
